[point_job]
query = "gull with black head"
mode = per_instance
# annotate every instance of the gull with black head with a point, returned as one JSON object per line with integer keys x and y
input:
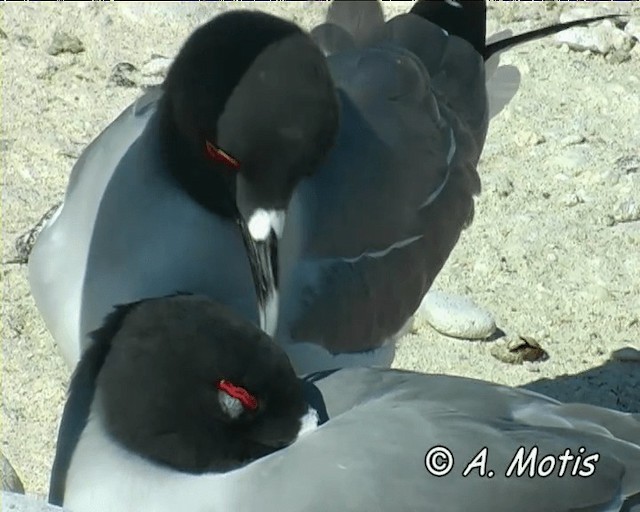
{"x": 187, "y": 189}
{"x": 316, "y": 184}
{"x": 184, "y": 405}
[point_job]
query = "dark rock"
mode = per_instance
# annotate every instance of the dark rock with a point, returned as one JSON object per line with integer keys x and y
{"x": 518, "y": 350}
{"x": 124, "y": 74}
{"x": 65, "y": 43}
{"x": 25, "y": 242}
{"x": 10, "y": 480}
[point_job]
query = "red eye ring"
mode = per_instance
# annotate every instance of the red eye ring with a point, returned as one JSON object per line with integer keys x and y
{"x": 247, "y": 400}
{"x": 218, "y": 155}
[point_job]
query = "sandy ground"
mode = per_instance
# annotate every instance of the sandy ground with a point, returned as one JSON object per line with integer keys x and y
{"x": 546, "y": 253}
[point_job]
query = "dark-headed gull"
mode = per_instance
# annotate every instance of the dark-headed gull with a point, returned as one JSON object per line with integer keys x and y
{"x": 191, "y": 183}
{"x": 181, "y": 404}
{"x": 184, "y": 190}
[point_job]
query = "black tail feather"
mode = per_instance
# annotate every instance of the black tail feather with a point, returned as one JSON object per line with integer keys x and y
{"x": 539, "y": 33}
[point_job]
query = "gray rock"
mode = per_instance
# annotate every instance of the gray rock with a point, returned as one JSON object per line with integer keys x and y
{"x": 602, "y": 39}
{"x": 154, "y": 71}
{"x": 518, "y": 350}
{"x": 571, "y": 200}
{"x": 627, "y": 211}
{"x": 25, "y": 242}
{"x": 628, "y": 164}
{"x": 25, "y": 41}
{"x": 456, "y": 316}
{"x": 573, "y": 159}
{"x": 618, "y": 56}
{"x": 21, "y": 503}
{"x": 158, "y": 65}
{"x": 529, "y": 138}
{"x": 572, "y": 140}
{"x": 124, "y": 74}
{"x": 64, "y": 42}
{"x": 10, "y": 480}
{"x": 633, "y": 28}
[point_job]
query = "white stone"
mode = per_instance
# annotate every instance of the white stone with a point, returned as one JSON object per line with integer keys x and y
{"x": 156, "y": 66}
{"x": 572, "y": 140}
{"x": 627, "y": 210}
{"x": 456, "y": 316}
{"x": 603, "y": 38}
{"x": 573, "y": 159}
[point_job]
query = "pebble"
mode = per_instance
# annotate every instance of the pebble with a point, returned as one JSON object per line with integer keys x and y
{"x": 519, "y": 349}
{"x": 618, "y": 56}
{"x": 21, "y": 503}
{"x": 571, "y": 200}
{"x": 64, "y": 43}
{"x": 528, "y": 138}
{"x": 25, "y": 41}
{"x": 633, "y": 28}
{"x": 628, "y": 164}
{"x": 10, "y": 480}
{"x": 25, "y": 242}
{"x": 608, "y": 220}
{"x": 124, "y": 74}
{"x": 627, "y": 211}
{"x": 158, "y": 65}
{"x": 573, "y": 159}
{"x": 596, "y": 292}
{"x": 154, "y": 71}
{"x": 572, "y": 140}
{"x": 609, "y": 178}
{"x": 456, "y": 316}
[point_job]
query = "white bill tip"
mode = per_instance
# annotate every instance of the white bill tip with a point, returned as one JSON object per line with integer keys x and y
{"x": 263, "y": 221}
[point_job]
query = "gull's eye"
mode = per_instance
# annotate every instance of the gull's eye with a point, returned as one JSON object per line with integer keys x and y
{"x": 218, "y": 155}
{"x": 234, "y": 399}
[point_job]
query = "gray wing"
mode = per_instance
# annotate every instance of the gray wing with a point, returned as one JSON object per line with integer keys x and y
{"x": 58, "y": 258}
{"x": 133, "y": 118}
{"x": 367, "y": 235}
{"x": 349, "y": 23}
{"x": 77, "y": 409}
{"x": 371, "y": 454}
